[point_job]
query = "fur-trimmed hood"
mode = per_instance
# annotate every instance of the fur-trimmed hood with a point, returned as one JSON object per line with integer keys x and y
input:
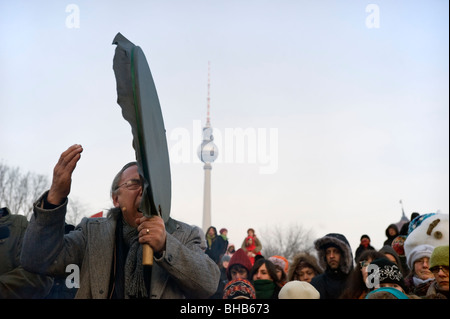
{"x": 305, "y": 258}
{"x": 339, "y": 241}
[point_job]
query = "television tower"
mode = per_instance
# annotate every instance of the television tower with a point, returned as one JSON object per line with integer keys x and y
{"x": 207, "y": 152}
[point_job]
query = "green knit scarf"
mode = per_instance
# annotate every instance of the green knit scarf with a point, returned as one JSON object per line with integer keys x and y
{"x": 264, "y": 288}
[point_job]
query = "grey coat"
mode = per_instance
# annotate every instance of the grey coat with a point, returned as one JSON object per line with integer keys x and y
{"x": 182, "y": 271}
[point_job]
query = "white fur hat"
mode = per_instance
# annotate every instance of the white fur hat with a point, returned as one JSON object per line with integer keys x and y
{"x": 431, "y": 229}
{"x": 298, "y": 290}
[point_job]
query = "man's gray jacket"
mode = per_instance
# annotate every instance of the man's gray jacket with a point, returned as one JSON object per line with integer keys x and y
{"x": 182, "y": 271}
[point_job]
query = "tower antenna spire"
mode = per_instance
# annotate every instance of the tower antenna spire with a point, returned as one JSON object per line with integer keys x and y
{"x": 208, "y": 99}
{"x": 207, "y": 152}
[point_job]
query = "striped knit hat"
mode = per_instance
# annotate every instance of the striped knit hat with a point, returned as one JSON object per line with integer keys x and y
{"x": 239, "y": 289}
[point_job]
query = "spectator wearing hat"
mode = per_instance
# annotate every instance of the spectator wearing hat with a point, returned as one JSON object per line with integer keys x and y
{"x": 304, "y": 267}
{"x": 335, "y": 256}
{"x": 386, "y": 293}
{"x": 239, "y": 289}
{"x": 439, "y": 268}
{"x": 388, "y": 281}
{"x": 391, "y": 232}
{"x": 239, "y": 266}
{"x": 281, "y": 266}
{"x": 393, "y": 256}
{"x": 420, "y": 277}
{"x": 405, "y": 226}
{"x": 363, "y": 246}
{"x": 297, "y": 289}
{"x": 223, "y": 265}
{"x": 224, "y": 235}
{"x": 385, "y": 273}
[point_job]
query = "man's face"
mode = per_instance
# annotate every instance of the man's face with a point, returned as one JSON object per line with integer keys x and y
{"x": 333, "y": 257}
{"x": 129, "y": 199}
{"x": 441, "y": 275}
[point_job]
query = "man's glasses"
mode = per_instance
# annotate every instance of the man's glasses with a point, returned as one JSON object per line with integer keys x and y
{"x": 435, "y": 270}
{"x": 132, "y": 184}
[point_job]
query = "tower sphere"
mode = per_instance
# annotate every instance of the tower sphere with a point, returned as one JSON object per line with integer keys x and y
{"x": 207, "y": 152}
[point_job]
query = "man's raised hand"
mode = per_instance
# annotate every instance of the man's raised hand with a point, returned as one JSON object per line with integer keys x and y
{"x": 62, "y": 174}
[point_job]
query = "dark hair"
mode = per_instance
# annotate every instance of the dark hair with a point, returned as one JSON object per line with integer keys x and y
{"x": 209, "y": 228}
{"x": 355, "y": 285}
{"x": 116, "y": 180}
{"x": 271, "y": 270}
{"x": 283, "y": 273}
{"x": 237, "y": 267}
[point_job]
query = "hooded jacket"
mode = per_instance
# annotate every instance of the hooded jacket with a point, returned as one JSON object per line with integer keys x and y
{"x": 390, "y": 238}
{"x": 331, "y": 283}
{"x": 304, "y": 258}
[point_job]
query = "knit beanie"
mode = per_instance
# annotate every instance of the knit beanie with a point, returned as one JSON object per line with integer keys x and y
{"x": 416, "y": 222}
{"x": 239, "y": 289}
{"x": 417, "y": 253}
{"x": 388, "y": 272}
{"x": 280, "y": 261}
{"x": 439, "y": 257}
{"x": 241, "y": 258}
{"x": 225, "y": 258}
{"x": 396, "y": 294}
{"x": 298, "y": 290}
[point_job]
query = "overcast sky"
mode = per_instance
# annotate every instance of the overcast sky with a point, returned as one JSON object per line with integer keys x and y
{"x": 343, "y": 105}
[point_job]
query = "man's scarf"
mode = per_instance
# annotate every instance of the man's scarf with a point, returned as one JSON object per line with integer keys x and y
{"x": 134, "y": 270}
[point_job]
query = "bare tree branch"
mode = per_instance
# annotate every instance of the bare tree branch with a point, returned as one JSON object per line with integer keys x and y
{"x": 286, "y": 242}
{"x": 75, "y": 211}
{"x": 18, "y": 191}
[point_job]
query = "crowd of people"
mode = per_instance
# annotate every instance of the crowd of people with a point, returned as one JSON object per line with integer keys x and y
{"x": 106, "y": 255}
{"x": 404, "y": 268}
